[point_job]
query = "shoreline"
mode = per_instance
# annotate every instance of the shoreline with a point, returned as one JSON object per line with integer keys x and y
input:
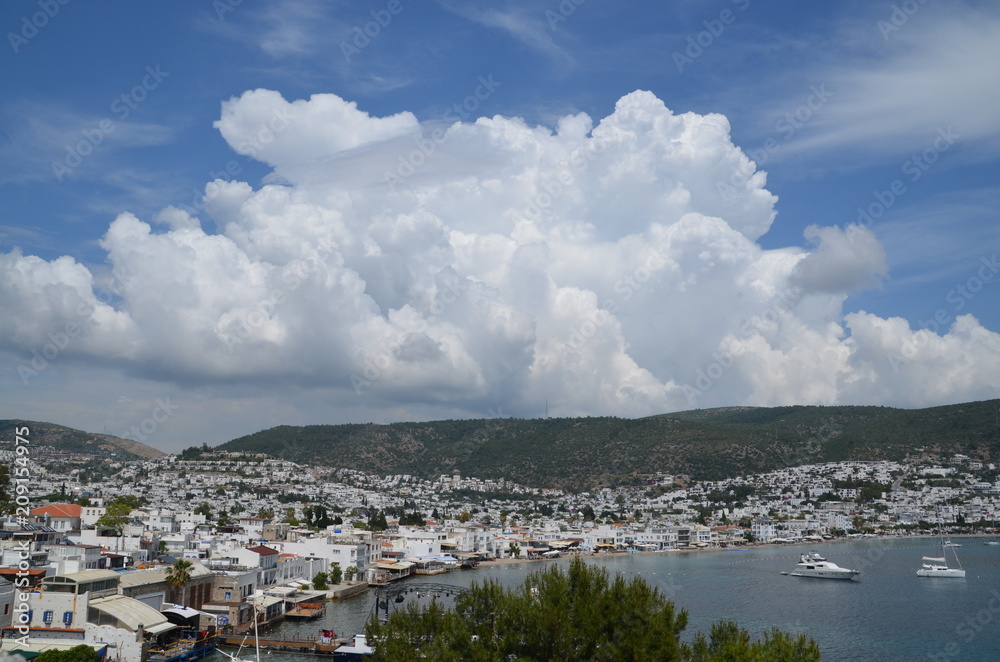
{"x": 688, "y": 550}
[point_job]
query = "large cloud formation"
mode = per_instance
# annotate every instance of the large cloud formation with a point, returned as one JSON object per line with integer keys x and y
{"x": 608, "y": 269}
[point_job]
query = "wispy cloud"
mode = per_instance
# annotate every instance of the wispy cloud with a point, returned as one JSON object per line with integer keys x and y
{"x": 526, "y": 24}
{"x": 937, "y": 70}
{"x": 289, "y": 28}
{"x": 48, "y": 142}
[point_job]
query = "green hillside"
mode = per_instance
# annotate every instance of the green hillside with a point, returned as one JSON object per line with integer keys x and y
{"x": 61, "y": 438}
{"x": 580, "y": 453}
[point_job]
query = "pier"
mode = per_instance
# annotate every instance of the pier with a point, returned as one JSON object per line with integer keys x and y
{"x": 301, "y": 644}
{"x": 306, "y": 610}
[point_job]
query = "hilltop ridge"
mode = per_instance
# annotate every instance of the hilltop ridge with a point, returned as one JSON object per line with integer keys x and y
{"x": 581, "y": 453}
{"x": 66, "y": 439}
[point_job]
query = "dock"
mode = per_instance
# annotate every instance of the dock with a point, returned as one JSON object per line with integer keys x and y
{"x": 307, "y": 610}
{"x": 302, "y": 644}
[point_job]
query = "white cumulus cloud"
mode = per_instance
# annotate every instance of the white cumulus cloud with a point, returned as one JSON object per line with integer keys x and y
{"x": 608, "y": 267}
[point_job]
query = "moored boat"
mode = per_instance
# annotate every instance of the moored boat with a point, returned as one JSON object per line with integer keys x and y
{"x": 357, "y": 650}
{"x": 807, "y": 567}
{"x": 937, "y": 566}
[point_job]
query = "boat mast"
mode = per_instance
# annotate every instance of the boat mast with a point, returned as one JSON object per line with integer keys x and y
{"x": 256, "y": 638}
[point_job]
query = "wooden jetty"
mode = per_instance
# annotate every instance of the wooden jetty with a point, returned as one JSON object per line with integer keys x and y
{"x": 301, "y": 644}
{"x": 307, "y": 610}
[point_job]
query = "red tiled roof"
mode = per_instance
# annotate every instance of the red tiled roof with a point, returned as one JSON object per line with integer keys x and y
{"x": 59, "y": 510}
{"x": 263, "y": 551}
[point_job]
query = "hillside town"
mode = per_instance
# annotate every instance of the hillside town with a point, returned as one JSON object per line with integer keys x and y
{"x": 152, "y": 559}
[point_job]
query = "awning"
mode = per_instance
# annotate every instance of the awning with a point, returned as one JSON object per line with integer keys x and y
{"x": 159, "y": 628}
{"x": 182, "y": 611}
{"x": 132, "y": 613}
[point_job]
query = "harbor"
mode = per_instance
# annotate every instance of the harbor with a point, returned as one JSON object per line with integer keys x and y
{"x": 880, "y": 616}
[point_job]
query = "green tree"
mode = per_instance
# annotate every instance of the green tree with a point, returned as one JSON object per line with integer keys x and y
{"x": 81, "y": 653}
{"x": 204, "y": 509}
{"x": 351, "y": 572}
{"x": 319, "y": 581}
{"x": 336, "y": 573}
{"x": 412, "y": 519}
{"x": 178, "y": 575}
{"x": 377, "y": 521}
{"x": 117, "y": 514}
{"x": 4, "y": 483}
{"x": 727, "y": 642}
{"x": 578, "y": 615}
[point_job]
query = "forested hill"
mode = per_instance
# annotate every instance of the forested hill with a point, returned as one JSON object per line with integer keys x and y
{"x": 580, "y": 453}
{"x": 63, "y": 439}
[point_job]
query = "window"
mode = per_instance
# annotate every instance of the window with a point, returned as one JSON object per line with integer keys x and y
{"x": 229, "y": 595}
{"x": 67, "y": 618}
{"x": 47, "y": 617}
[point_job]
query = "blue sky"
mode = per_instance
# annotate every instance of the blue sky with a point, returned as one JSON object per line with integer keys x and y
{"x": 889, "y": 109}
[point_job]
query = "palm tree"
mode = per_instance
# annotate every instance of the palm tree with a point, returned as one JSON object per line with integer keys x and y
{"x": 178, "y": 575}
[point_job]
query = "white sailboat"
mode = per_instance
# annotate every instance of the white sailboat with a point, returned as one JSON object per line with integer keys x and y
{"x": 937, "y": 566}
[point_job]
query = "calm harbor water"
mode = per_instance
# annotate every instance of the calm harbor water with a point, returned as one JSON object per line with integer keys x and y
{"x": 889, "y": 615}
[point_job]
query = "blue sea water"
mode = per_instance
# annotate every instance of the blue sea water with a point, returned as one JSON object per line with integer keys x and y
{"x": 889, "y": 615}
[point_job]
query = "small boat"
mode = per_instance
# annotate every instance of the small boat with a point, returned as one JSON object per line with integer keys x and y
{"x": 822, "y": 569}
{"x": 948, "y": 543}
{"x": 991, "y": 542}
{"x": 357, "y": 650}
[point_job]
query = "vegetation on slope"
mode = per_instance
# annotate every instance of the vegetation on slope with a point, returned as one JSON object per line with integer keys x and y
{"x": 580, "y": 453}
{"x": 66, "y": 439}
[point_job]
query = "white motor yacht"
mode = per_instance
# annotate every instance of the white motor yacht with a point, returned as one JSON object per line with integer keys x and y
{"x": 807, "y": 567}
